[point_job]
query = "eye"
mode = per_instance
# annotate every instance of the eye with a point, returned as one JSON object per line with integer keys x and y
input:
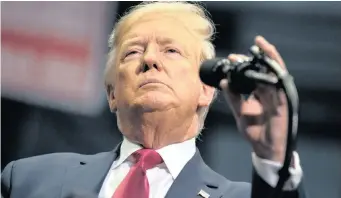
{"x": 130, "y": 53}
{"x": 171, "y": 50}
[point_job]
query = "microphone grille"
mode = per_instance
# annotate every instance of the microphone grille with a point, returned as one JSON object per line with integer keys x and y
{"x": 211, "y": 72}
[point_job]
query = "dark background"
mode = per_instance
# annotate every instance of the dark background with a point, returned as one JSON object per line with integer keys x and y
{"x": 307, "y": 34}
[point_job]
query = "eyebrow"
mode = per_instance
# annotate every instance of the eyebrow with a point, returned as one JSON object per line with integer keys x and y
{"x": 138, "y": 40}
{"x": 132, "y": 41}
{"x": 165, "y": 40}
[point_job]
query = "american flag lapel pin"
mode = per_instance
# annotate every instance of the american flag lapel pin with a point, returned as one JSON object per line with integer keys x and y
{"x": 203, "y": 194}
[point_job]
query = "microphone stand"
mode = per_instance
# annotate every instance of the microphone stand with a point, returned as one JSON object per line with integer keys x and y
{"x": 243, "y": 78}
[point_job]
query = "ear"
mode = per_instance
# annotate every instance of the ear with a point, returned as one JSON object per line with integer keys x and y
{"x": 111, "y": 98}
{"x": 206, "y": 95}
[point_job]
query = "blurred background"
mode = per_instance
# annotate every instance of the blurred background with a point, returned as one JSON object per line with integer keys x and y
{"x": 53, "y": 98}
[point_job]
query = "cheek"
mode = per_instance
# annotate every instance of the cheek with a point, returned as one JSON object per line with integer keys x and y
{"x": 189, "y": 73}
{"x": 125, "y": 80}
{"x": 122, "y": 76}
{"x": 127, "y": 72}
{"x": 187, "y": 77}
{"x": 124, "y": 87}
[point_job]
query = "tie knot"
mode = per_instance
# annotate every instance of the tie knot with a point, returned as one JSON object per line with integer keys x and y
{"x": 147, "y": 158}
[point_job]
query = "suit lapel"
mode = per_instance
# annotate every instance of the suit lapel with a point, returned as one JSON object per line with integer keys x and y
{"x": 86, "y": 177}
{"x": 195, "y": 180}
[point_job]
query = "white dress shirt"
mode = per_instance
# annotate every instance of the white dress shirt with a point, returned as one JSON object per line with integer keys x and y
{"x": 175, "y": 157}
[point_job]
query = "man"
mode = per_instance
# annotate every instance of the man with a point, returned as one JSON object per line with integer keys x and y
{"x": 154, "y": 88}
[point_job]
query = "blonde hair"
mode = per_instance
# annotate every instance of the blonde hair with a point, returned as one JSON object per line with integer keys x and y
{"x": 203, "y": 27}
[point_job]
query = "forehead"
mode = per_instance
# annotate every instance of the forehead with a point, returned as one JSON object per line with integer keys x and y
{"x": 165, "y": 29}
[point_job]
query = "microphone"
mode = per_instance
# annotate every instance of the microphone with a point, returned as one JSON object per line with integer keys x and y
{"x": 242, "y": 76}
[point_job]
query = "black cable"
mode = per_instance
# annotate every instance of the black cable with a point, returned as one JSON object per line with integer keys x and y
{"x": 292, "y": 100}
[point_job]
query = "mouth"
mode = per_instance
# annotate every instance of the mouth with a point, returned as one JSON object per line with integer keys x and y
{"x": 151, "y": 81}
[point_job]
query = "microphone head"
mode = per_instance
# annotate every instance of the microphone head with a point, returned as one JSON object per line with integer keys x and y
{"x": 211, "y": 72}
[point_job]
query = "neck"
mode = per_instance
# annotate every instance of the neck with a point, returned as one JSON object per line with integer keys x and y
{"x": 158, "y": 129}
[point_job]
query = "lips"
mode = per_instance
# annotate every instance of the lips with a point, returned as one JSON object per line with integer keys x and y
{"x": 148, "y": 81}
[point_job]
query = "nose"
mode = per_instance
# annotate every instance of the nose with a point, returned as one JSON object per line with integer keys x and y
{"x": 150, "y": 60}
{"x": 147, "y": 67}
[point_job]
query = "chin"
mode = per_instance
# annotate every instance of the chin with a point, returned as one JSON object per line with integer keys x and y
{"x": 154, "y": 102}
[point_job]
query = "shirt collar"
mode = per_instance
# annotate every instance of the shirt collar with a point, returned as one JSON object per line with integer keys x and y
{"x": 175, "y": 156}
{"x": 127, "y": 148}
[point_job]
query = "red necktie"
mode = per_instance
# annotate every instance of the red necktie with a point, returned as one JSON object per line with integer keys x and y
{"x": 135, "y": 184}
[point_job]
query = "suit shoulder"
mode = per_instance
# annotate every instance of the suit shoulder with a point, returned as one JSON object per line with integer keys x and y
{"x": 236, "y": 189}
{"x": 233, "y": 184}
{"x": 232, "y": 188}
{"x": 54, "y": 159}
{"x": 51, "y": 158}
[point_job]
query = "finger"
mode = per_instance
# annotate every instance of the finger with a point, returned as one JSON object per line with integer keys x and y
{"x": 269, "y": 50}
{"x": 275, "y": 109}
{"x": 238, "y": 57}
{"x": 265, "y": 94}
{"x": 270, "y": 98}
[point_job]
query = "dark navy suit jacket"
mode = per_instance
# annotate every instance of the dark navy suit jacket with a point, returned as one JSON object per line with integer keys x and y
{"x": 66, "y": 175}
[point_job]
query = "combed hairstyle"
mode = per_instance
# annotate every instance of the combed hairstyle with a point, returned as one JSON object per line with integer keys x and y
{"x": 193, "y": 15}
